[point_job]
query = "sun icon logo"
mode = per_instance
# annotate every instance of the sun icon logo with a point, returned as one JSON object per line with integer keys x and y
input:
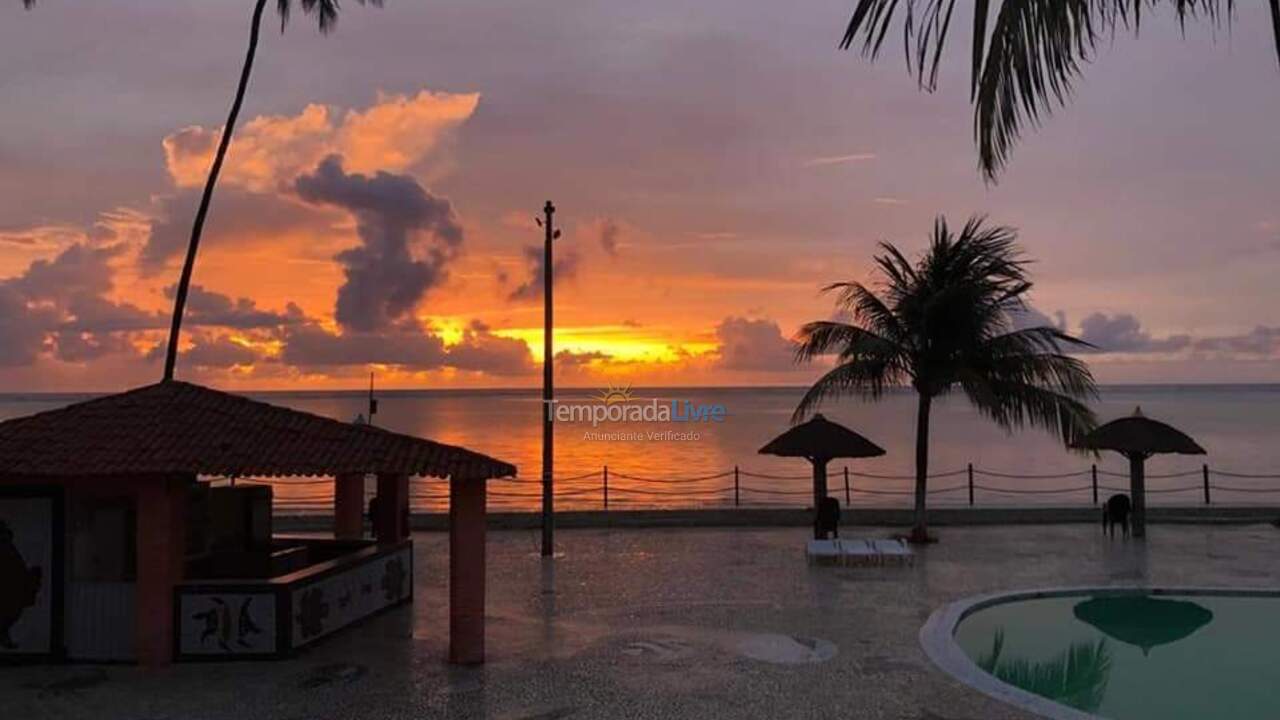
{"x": 615, "y": 394}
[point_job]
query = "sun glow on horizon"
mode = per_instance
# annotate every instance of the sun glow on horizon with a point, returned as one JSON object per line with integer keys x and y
{"x": 618, "y": 343}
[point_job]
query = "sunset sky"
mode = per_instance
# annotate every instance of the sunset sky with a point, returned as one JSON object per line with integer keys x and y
{"x": 714, "y": 164}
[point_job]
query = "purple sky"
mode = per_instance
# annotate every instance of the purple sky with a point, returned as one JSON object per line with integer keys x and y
{"x": 744, "y": 160}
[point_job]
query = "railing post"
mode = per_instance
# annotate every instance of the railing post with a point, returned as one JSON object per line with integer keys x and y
{"x": 1094, "y": 471}
{"x": 970, "y": 484}
{"x": 606, "y": 487}
{"x": 735, "y": 486}
{"x": 1205, "y": 470}
{"x": 848, "y": 500}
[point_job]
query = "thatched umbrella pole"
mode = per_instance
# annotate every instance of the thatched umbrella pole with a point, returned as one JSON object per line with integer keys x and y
{"x": 1138, "y": 492}
{"x": 819, "y": 490}
{"x": 819, "y": 478}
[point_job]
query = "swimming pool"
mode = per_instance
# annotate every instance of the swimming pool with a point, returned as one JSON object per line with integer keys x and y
{"x": 1120, "y": 653}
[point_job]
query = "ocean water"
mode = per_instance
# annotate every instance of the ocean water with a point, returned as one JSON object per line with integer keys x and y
{"x": 685, "y": 464}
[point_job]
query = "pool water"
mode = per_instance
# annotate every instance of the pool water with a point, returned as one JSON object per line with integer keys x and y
{"x": 1136, "y": 656}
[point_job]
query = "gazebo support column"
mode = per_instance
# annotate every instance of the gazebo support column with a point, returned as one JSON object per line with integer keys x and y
{"x": 161, "y": 547}
{"x": 819, "y": 492}
{"x": 348, "y": 506}
{"x": 466, "y": 570}
{"x": 391, "y": 520}
{"x": 1138, "y": 489}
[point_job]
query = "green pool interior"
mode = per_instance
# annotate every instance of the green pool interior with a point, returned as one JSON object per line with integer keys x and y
{"x": 1135, "y": 656}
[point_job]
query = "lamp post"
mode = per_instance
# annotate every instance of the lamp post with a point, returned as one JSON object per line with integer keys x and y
{"x": 548, "y": 392}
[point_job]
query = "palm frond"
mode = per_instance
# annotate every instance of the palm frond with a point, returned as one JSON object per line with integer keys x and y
{"x": 1026, "y": 65}
{"x": 867, "y": 377}
{"x": 1036, "y": 50}
{"x": 325, "y": 11}
{"x": 1275, "y": 25}
{"x": 1013, "y": 404}
{"x": 866, "y": 308}
{"x": 826, "y": 337}
{"x": 1037, "y": 339}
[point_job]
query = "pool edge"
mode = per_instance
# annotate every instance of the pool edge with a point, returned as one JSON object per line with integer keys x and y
{"x": 937, "y": 639}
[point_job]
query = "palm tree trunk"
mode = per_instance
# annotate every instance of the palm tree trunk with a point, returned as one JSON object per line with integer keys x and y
{"x": 920, "y": 533}
{"x": 197, "y": 228}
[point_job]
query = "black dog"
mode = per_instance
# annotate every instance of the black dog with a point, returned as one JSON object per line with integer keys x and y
{"x": 828, "y": 520}
{"x": 1116, "y": 512}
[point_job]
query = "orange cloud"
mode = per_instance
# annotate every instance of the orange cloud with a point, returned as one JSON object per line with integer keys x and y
{"x": 393, "y": 134}
{"x": 398, "y": 131}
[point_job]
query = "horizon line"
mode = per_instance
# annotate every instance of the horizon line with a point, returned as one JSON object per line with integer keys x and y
{"x": 535, "y": 388}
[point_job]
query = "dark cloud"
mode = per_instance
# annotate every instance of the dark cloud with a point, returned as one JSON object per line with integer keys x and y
{"x": 1123, "y": 333}
{"x": 218, "y": 352}
{"x": 482, "y": 351}
{"x": 94, "y": 313}
{"x": 609, "y": 235}
{"x": 80, "y": 269}
{"x": 565, "y": 268}
{"x": 405, "y": 346}
{"x": 209, "y": 351}
{"x": 77, "y": 347}
{"x": 206, "y": 307}
{"x": 1262, "y": 340}
{"x": 408, "y": 237}
{"x": 58, "y": 305}
{"x": 1029, "y": 317}
{"x": 571, "y": 359}
{"x": 22, "y": 329}
{"x": 747, "y": 344}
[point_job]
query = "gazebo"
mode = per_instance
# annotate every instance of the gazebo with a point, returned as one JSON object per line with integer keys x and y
{"x": 130, "y": 554}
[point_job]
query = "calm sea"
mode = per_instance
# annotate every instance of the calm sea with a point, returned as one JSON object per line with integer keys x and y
{"x": 1239, "y": 425}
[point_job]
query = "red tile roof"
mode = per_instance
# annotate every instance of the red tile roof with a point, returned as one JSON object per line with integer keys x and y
{"x": 178, "y": 427}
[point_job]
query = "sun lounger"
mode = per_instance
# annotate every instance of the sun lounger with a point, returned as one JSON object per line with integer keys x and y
{"x": 859, "y": 553}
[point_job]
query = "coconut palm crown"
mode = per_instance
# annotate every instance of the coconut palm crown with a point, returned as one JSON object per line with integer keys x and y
{"x": 950, "y": 320}
{"x": 1024, "y": 58}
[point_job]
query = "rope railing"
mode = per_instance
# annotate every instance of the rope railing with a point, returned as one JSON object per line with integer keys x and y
{"x": 1156, "y": 476}
{"x": 594, "y": 489}
{"x": 1224, "y": 473}
{"x": 673, "y": 480}
{"x": 1050, "y": 476}
{"x": 762, "y": 476}
{"x": 1032, "y": 491}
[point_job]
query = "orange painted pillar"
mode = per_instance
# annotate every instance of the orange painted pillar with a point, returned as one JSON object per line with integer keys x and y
{"x": 161, "y": 548}
{"x": 466, "y": 570}
{"x": 348, "y": 506}
{"x": 391, "y": 520}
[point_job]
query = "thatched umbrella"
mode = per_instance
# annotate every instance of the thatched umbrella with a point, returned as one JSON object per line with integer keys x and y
{"x": 819, "y": 440}
{"x": 1143, "y": 621}
{"x": 1138, "y": 437}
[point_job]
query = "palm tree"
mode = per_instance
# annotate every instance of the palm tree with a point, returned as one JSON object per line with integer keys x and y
{"x": 948, "y": 321}
{"x": 326, "y": 12}
{"x": 1026, "y": 61}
